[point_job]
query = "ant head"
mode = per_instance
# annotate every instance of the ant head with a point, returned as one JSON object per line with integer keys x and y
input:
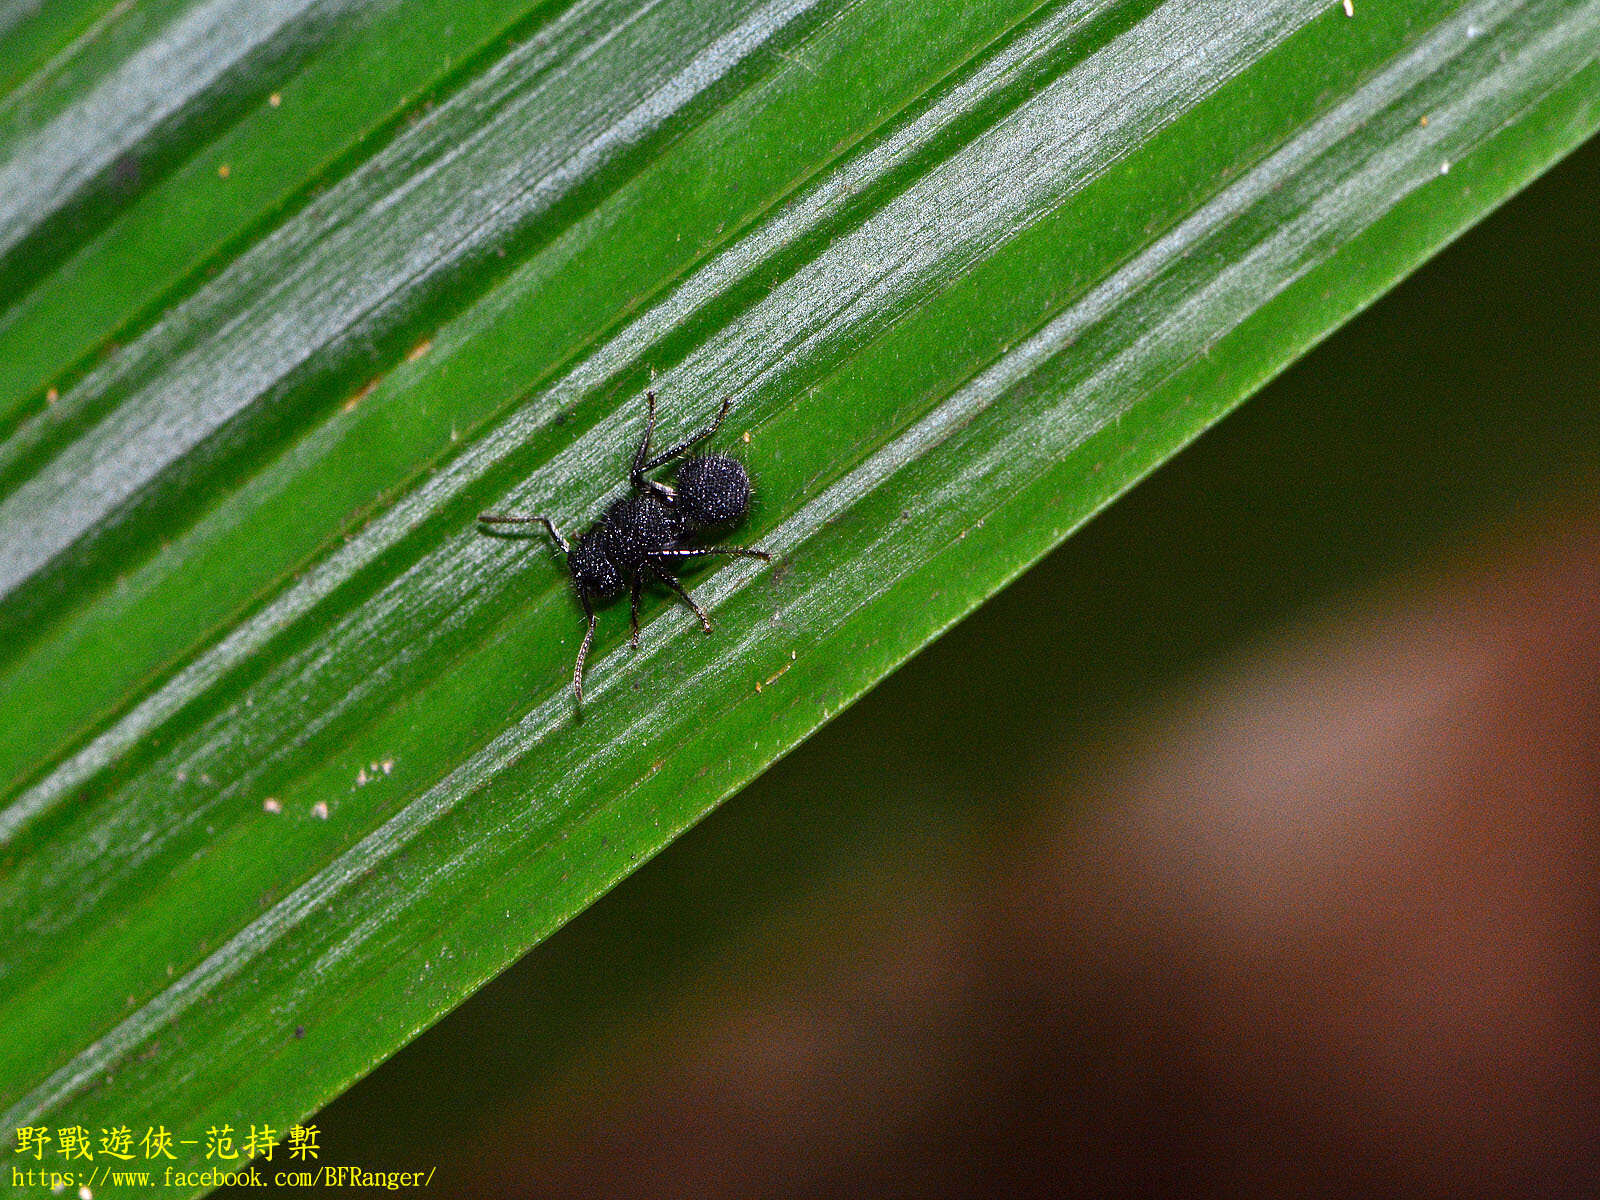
{"x": 713, "y": 490}
{"x": 593, "y": 571}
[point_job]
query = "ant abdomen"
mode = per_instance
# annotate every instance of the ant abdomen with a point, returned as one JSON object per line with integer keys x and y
{"x": 713, "y": 489}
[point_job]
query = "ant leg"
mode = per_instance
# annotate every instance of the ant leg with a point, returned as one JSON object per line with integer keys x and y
{"x": 583, "y": 650}
{"x": 702, "y": 551}
{"x": 668, "y": 455}
{"x": 633, "y": 611}
{"x": 672, "y": 582}
{"x": 503, "y": 519}
{"x": 642, "y": 454}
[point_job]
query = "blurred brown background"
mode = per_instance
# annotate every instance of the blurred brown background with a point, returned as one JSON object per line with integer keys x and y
{"x": 1246, "y": 846}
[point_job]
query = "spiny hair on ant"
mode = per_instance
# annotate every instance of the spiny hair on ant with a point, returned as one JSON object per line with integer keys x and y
{"x": 649, "y": 534}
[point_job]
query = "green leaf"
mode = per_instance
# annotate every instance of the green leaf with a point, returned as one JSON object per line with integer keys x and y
{"x": 289, "y": 760}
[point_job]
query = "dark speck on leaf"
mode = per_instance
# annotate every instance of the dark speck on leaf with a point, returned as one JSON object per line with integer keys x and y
{"x": 125, "y": 172}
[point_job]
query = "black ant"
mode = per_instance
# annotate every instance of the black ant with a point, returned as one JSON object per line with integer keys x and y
{"x": 646, "y": 533}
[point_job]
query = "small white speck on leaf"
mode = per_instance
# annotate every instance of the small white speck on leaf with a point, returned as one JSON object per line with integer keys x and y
{"x": 1444, "y": 168}
{"x": 272, "y": 805}
{"x": 319, "y": 810}
{"x": 1349, "y": 8}
{"x": 275, "y": 99}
